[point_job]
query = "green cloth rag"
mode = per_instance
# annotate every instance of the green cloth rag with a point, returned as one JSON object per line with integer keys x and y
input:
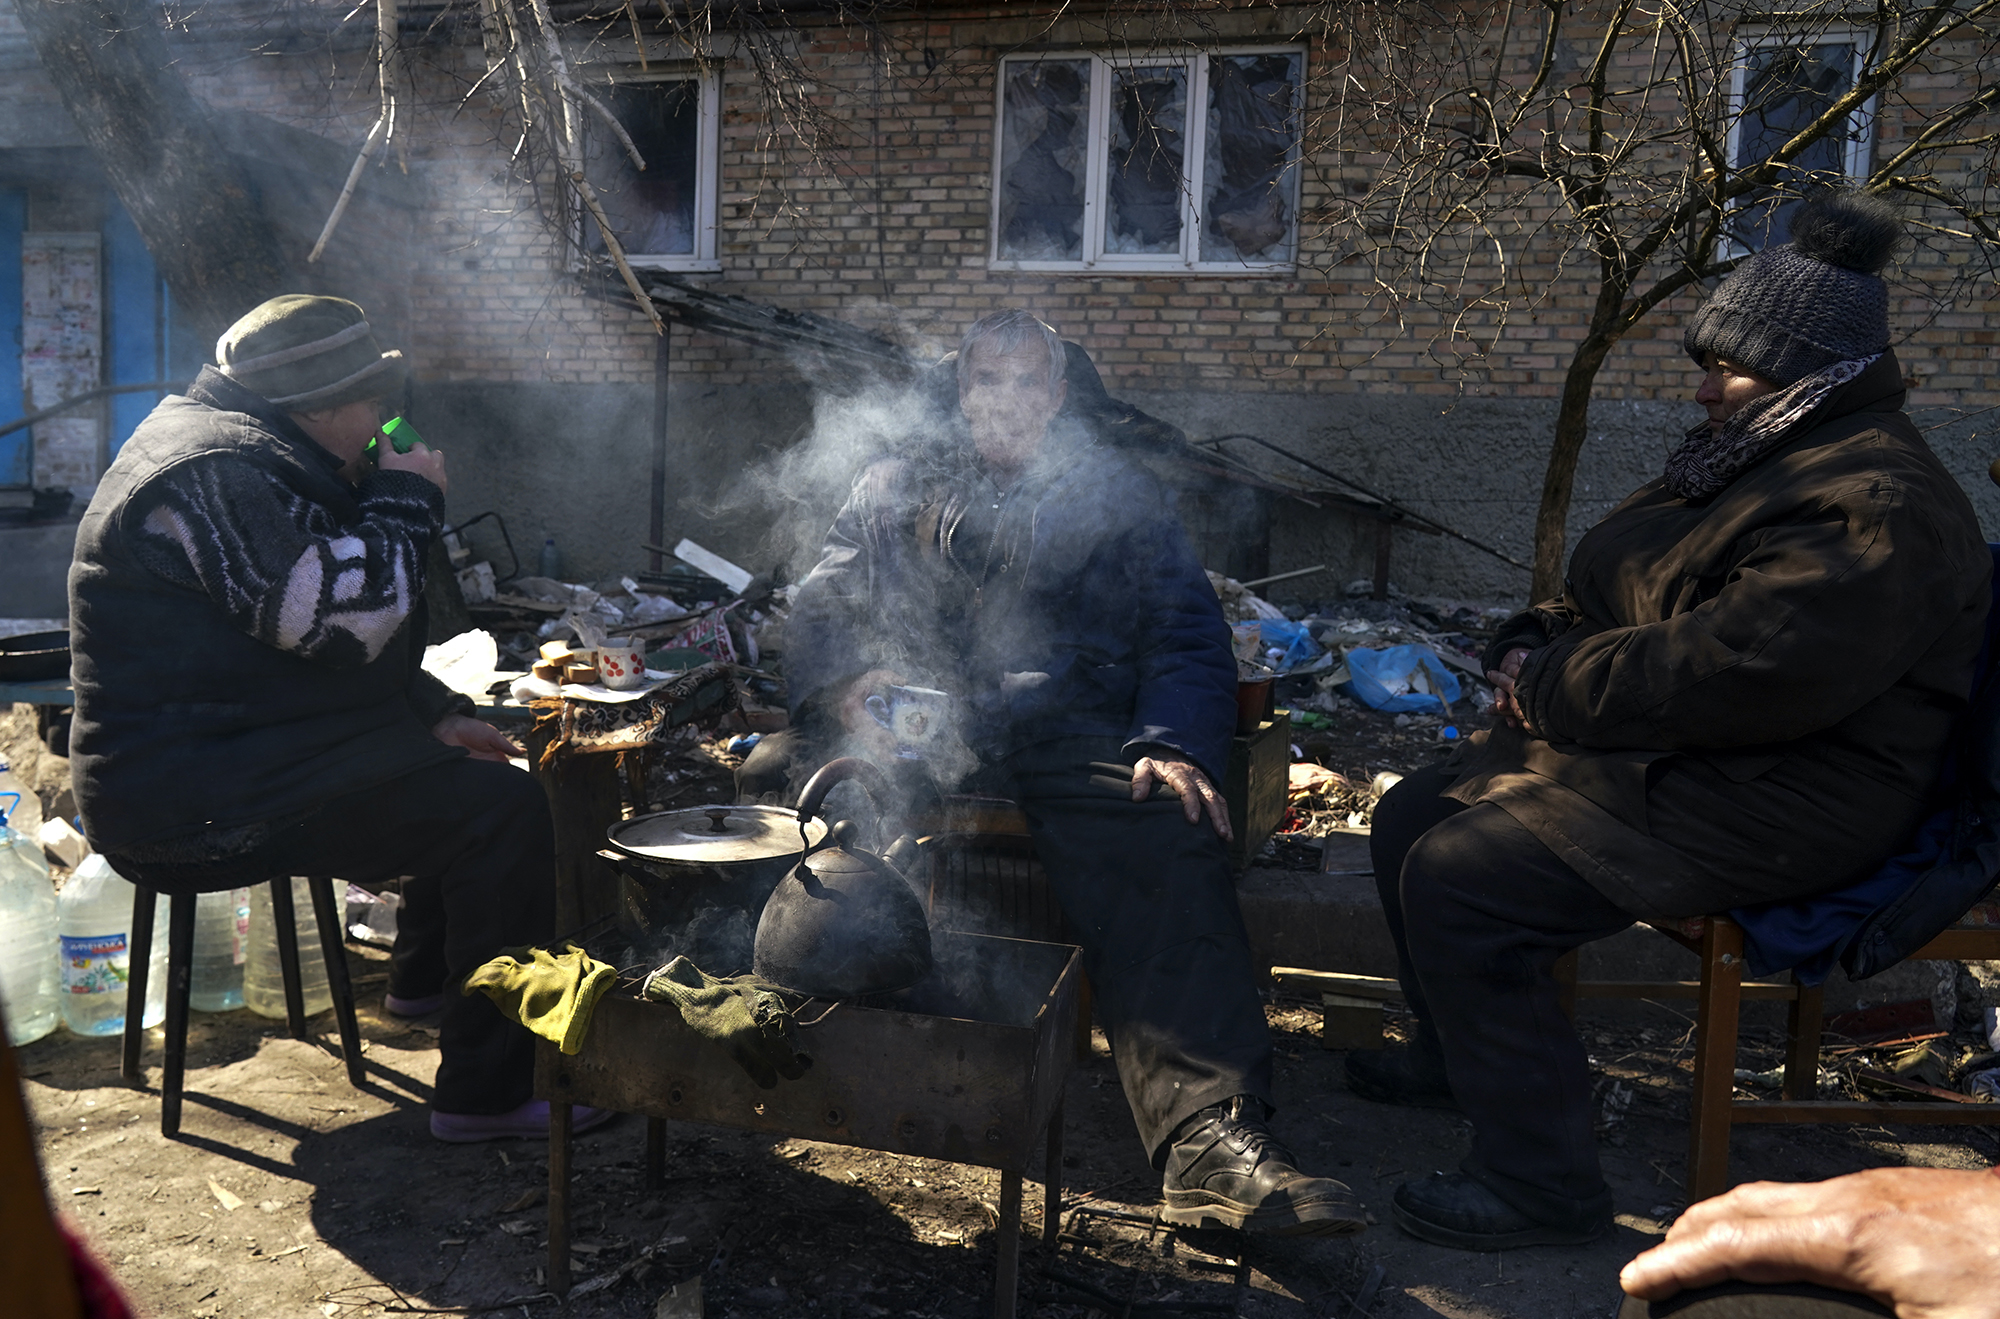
{"x": 746, "y": 1016}
{"x": 552, "y": 994}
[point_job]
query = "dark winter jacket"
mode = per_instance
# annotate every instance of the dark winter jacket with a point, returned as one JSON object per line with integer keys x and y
{"x": 1071, "y": 605}
{"x": 1747, "y": 698}
{"x": 246, "y": 630}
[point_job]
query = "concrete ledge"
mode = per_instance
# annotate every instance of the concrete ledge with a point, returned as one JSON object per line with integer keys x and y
{"x": 1334, "y": 923}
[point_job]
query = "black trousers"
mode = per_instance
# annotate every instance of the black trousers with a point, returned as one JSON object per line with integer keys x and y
{"x": 1153, "y": 903}
{"x": 475, "y": 839}
{"x": 1750, "y": 1300}
{"x": 1480, "y": 910}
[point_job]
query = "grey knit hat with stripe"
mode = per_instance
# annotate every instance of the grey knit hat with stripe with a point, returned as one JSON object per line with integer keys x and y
{"x": 307, "y": 353}
{"x": 1801, "y": 306}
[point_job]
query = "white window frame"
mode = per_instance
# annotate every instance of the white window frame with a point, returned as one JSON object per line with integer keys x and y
{"x": 708, "y": 156}
{"x": 1860, "y": 145}
{"x": 1097, "y": 170}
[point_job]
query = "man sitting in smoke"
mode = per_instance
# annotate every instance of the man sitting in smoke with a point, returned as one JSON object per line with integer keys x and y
{"x": 1023, "y": 565}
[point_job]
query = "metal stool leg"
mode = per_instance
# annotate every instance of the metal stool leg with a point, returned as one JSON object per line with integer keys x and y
{"x": 138, "y": 970}
{"x": 180, "y": 983}
{"x": 333, "y": 946}
{"x": 284, "y": 916}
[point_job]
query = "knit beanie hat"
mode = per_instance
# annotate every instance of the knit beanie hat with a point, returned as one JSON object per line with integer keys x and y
{"x": 307, "y": 353}
{"x": 1801, "y": 306}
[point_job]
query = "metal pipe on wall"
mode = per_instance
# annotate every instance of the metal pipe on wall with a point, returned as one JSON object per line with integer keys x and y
{"x": 663, "y": 356}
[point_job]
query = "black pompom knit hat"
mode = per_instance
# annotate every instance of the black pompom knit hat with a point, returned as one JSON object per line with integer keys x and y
{"x": 307, "y": 353}
{"x": 1801, "y": 306}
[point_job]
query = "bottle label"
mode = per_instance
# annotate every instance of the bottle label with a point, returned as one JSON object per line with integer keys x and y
{"x": 94, "y": 963}
{"x": 240, "y": 945}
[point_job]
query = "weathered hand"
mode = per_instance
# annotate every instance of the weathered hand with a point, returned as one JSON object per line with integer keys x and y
{"x": 1196, "y": 792}
{"x": 1923, "y": 1241}
{"x": 483, "y": 740}
{"x": 1503, "y": 679}
{"x": 862, "y": 727}
{"x": 421, "y": 459}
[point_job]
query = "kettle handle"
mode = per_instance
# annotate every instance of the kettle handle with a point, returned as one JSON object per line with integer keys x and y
{"x": 873, "y": 781}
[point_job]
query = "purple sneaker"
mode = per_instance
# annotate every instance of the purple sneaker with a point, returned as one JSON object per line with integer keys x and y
{"x": 528, "y": 1122}
{"x": 412, "y": 1007}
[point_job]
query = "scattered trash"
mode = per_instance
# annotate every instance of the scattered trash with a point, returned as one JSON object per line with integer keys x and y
{"x": 722, "y": 570}
{"x": 225, "y": 1197}
{"x": 1401, "y": 678}
{"x": 1239, "y": 603}
{"x": 1982, "y": 1084}
{"x": 63, "y": 844}
{"x": 467, "y": 663}
{"x": 741, "y": 745}
{"x": 371, "y": 917}
{"x": 681, "y": 1301}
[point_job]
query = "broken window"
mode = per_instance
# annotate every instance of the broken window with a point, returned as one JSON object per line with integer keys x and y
{"x": 1253, "y": 138}
{"x": 1045, "y": 112}
{"x": 1781, "y": 84}
{"x": 1182, "y": 162}
{"x": 664, "y": 214}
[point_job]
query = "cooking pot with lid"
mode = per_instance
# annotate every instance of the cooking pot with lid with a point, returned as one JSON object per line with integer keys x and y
{"x": 676, "y": 865}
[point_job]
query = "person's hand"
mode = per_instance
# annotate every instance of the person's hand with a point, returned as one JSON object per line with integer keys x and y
{"x": 1196, "y": 792}
{"x": 483, "y": 740}
{"x": 1925, "y": 1242}
{"x": 1503, "y": 679}
{"x": 862, "y": 727}
{"x": 421, "y": 459}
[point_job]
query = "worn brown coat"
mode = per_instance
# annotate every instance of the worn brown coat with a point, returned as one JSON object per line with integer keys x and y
{"x": 1747, "y": 698}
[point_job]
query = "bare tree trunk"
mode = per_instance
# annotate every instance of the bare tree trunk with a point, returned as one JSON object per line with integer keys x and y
{"x": 196, "y": 212}
{"x": 1559, "y": 480}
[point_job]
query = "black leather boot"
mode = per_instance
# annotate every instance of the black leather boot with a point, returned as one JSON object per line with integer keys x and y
{"x": 1454, "y": 1209}
{"x": 1225, "y": 1169}
{"x": 1400, "y": 1075}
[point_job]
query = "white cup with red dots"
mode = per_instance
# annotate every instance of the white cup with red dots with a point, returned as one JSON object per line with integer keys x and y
{"x": 621, "y": 664}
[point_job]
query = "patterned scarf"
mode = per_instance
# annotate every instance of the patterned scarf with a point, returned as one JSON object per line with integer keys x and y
{"x": 1707, "y": 461}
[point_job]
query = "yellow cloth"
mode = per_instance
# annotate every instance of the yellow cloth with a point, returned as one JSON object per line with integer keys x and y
{"x": 552, "y": 994}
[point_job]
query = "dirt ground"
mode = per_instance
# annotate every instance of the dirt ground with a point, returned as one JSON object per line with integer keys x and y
{"x": 290, "y": 1193}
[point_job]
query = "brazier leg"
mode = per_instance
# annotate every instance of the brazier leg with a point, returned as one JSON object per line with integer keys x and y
{"x": 559, "y": 1152}
{"x": 656, "y": 1153}
{"x": 1052, "y": 1183}
{"x": 1007, "y": 1265}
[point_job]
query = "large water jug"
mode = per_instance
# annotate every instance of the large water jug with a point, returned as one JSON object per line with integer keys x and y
{"x": 29, "y": 973}
{"x": 18, "y": 803}
{"x": 221, "y": 942}
{"x": 94, "y": 924}
{"x": 263, "y": 980}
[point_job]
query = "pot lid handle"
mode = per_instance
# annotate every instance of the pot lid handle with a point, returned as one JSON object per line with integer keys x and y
{"x": 718, "y": 819}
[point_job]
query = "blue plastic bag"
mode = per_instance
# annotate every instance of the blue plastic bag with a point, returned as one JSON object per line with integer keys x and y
{"x": 1381, "y": 679}
{"x": 1294, "y": 639}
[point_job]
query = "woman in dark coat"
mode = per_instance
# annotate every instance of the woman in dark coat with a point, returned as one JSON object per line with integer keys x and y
{"x": 1742, "y": 695}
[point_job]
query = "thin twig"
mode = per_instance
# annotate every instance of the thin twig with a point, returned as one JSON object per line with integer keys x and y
{"x": 374, "y": 140}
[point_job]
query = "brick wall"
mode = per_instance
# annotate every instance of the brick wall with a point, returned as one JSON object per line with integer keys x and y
{"x": 884, "y": 222}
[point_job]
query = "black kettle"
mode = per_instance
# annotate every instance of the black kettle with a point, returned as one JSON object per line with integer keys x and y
{"x": 844, "y": 923}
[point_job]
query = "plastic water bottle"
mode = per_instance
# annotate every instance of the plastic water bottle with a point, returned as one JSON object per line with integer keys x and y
{"x": 18, "y": 803}
{"x": 29, "y": 973}
{"x": 551, "y": 564}
{"x": 221, "y": 941}
{"x": 263, "y": 978}
{"x": 94, "y": 925}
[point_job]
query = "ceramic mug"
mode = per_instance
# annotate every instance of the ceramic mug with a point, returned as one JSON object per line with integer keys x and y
{"x": 914, "y": 716}
{"x": 621, "y": 664}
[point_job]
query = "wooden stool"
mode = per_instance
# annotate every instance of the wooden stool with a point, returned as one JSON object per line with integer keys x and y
{"x": 180, "y": 980}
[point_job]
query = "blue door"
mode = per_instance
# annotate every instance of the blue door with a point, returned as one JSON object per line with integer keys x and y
{"x": 143, "y": 343}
